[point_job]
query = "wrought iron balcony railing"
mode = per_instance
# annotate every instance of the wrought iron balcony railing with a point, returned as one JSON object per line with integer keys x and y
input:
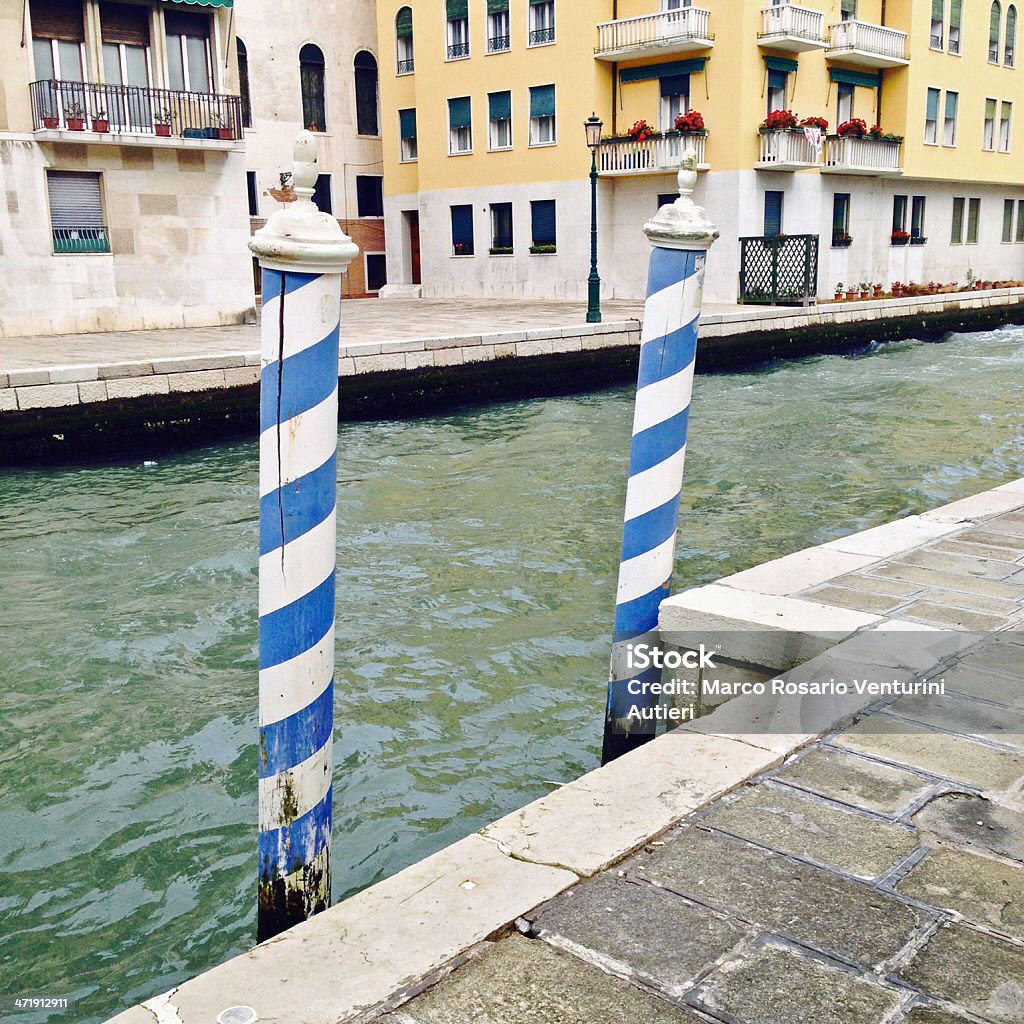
{"x": 407, "y": 67}
{"x": 134, "y": 110}
{"x": 541, "y": 35}
{"x": 495, "y": 44}
{"x": 80, "y": 239}
{"x": 457, "y": 50}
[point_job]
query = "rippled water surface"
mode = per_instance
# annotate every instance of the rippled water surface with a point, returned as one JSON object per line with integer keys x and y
{"x": 477, "y": 557}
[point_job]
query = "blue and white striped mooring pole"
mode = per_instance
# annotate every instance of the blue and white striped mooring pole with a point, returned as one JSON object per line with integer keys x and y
{"x": 681, "y": 235}
{"x": 303, "y": 254}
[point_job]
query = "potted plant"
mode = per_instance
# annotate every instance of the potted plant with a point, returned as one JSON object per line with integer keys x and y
{"x": 899, "y": 237}
{"x": 641, "y": 131}
{"x": 839, "y": 290}
{"x": 841, "y": 239}
{"x": 853, "y": 128}
{"x": 690, "y": 123}
{"x": 501, "y": 250}
{"x": 865, "y": 289}
{"x": 877, "y": 289}
{"x": 100, "y": 122}
{"x": 779, "y": 121}
{"x": 50, "y": 120}
{"x": 220, "y": 130}
{"x": 546, "y": 249}
{"x": 897, "y": 289}
{"x": 851, "y": 293}
{"x": 917, "y": 239}
{"x": 815, "y": 122}
{"x": 75, "y": 117}
{"x": 162, "y": 123}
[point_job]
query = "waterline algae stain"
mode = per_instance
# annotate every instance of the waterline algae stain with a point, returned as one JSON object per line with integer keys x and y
{"x": 474, "y": 581}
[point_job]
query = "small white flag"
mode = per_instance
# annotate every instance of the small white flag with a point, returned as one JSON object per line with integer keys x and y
{"x": 813, "y": 136}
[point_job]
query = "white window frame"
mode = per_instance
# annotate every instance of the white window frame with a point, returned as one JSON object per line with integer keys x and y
{"x": 949, "y": 124}
{"x": 542, "y": 18}
{"x": 495, "y": 24}
{"x": 988, "y": 132}
{"x": 849, "y": 92}
{"x": 493, "y": 129}
{"x": 210, "y": 70}
{"x": 457, "y": 34}
{"x": 670, "y": 106}
{"x": 1005, "y": 119}
{"x": 538, "y": 126}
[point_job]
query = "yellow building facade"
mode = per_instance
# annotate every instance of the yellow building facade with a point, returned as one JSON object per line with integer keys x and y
{"x": 486, "y": 164}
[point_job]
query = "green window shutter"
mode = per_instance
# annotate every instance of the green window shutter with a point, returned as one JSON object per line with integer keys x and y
{"x": 403, "y": 23}
{"x": 542, "y": 216}
{"x": 777, "y": 79}
{"x": 542, "y": 101}
{"x": 675, "y": 85}
{"x": 534, "y": 3}
{"x": 933, "y": 105}
{"x": 951, "y": 106}
{"x": 781, "y": 64}
{"x": 860, "y": 78}
{"x": 500, "y": 104}
{"x": 460, "y": 113}
{"x": 990, "y": 110}
{"x": 675, "y": 67}
{"x": 407, "y": 122}
{"x": 462, "y": 230}
{"x": 497, "y": 6}
{"x": 457, "y": 9}
{"x": 1007, "y": 220}
{"x": 849, "y": 7}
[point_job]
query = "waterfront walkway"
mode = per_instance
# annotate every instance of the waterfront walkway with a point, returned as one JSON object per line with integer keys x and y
{"x": 848, "y": 861}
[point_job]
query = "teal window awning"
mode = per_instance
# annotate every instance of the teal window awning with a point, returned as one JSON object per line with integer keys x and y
{"x": 403, "y": 23}
{"x": 666, "y": 70}
{"x": 500, "y": 106}
{"x": 675, "y": 85}
{"x": 206, "y": 3}
{"x": 861, "y": 78}
{"x": 542, "y": 101}
{"x": 456, "y": 9}
{"x": 782, "y": 64}
{"x": 407, "y": 122}
{"x": 460, "y": 113}
{"x": 497, "y": 6}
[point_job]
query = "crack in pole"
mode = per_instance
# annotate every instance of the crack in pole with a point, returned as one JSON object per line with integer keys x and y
{"x": 280, "y": 387}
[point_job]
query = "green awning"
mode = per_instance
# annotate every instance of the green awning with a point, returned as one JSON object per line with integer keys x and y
{"x": 667, "y": 70}
{"x": 407, "y": 122}
{"x": 403, "y": 23}
{"x": 208, "y": 3}
{"x": 460, "y": 113}
{"x": 781, "y": 64}
{"x": 675, "y": 85}
{"x": 861, "y": 78}
{"x": 497, "y": 6}
{"x": 542, "y": 101}
{"x": 456, "y": 9}
{"x": 500, "y": 106}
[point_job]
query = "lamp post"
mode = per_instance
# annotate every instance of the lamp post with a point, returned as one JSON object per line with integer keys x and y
{"x": 593, "y": 128}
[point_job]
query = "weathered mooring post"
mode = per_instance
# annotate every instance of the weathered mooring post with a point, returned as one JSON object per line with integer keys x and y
{"x": 303, "y": 254}
{"x": 681, "y": 235}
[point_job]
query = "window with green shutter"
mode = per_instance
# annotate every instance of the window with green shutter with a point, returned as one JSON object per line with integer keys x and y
{"x": 407, "y": 133}
{"x": 542, "y": 115}
{"x": 76, "y": 212}
{"x": 462, "y": 230}
{"x": 542, "y": 222}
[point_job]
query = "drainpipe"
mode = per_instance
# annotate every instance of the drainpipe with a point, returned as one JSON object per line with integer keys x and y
{"x": 303, "y": 254}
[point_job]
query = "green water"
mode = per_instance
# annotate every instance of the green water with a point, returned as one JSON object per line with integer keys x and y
{"x": 477, "y": 559}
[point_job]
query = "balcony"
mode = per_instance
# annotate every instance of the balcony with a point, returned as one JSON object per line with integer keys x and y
{"x": 669, "y": 32}
{"x": 788, "y": 150}
{"x": 792, "y": 28}
{"x": 853, "y": 155}
{"x": 122, "y": 115}
{"x": 867, "y": 46}
{"x": 659, "y": 155}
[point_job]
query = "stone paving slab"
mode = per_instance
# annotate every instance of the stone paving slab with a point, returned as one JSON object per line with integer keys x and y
{"x": 973, "y": 822}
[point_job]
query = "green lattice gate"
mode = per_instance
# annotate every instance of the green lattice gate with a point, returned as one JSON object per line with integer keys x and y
{"x": 780, "y": 270}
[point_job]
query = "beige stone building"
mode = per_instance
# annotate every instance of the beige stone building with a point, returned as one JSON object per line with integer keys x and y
{"x": 122, "y": 167}
{"x": 316, "y": 66}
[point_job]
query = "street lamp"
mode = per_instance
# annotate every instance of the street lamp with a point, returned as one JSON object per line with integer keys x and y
{"x": 593, "y": 128}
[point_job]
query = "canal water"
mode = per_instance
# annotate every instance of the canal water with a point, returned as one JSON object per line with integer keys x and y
{"x": 477, "y": 558}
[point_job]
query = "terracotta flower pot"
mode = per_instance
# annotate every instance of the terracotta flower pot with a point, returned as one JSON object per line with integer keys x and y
{"x": 100, "y": 124}
{"x": 76, "y": 124}
{"x": 51, "y": 122}
{"x": 163, "y": 130}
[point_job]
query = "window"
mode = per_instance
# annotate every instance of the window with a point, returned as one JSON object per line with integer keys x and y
{"x": 188, "y": 51}
{"x": 988, "y": 137}
{"x": 126, "y": 62}
{"x": 931, "y": 118}
{"x": 773, "y": 214}
{"x": 243, "y": 83}
{"x": 407, "y": 133}
{"x": 1005, "y": 109}
{"x": 956, "y": 15}
{"x": 1007, "y": 220}
{"x": 365, "y": 71}
{"x": 542, "y": 225}
{"x": 58, "y": 49}
{"x": 956, "y": 234}
{"x": 460, "y": 126}
{"x": 405, "y": 62}
{"x": 457, "y": 12}
{"x": 949, "y": 120}
{"x": 376, "y": 271}
{"x": 498, "y": 34}
{"x": 935, "y": 37}
{"x": 253, "y": 191}
{"x": 899, "y": 213}
{"x": 322, "y": 194}
{"x": 841, "y": 219}
{"x": 847, "y": 10}
{"x": 973, "y": 217}
{"x": 777, "y": 90}
{"x": 667, "y": 198}
{"x": 462, "y": 230}
{"x": 1010, "y": 44}
{"x": 542, "y": 22}
{"x": 917, "y": 219}
{"x": 542, "y": 115}
{"x": 501, "y": 229}
{"x": 844, "y": 102}
{"x": 499, "y": 106}
{"x": 994, "y": 18}
{"x": 76, "y": 212}
{"x": 311, "y": 77}
{"x": 1019, "y": 237}
{"x": 675, "y": 99}
{"x": 369, "y": 195}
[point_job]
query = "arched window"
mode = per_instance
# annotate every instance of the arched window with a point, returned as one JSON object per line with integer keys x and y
{"x": 311, "y": 76}
{"x": 993, "y": 32}
{"x": 243, "y": 83}
{"x": 366, "y": 94}
{"x": 1010, "y": 45}
{"x": 403, "y": 41}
